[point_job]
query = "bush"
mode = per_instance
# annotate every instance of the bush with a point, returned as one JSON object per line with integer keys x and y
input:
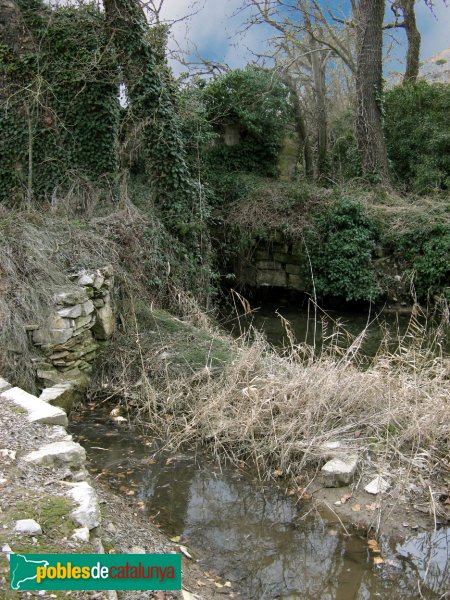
{"x": 426, "y": 250}
{"x": 255, "y": 101}
{"x": 417, "y": 127}
{"x": 340, "y": 247}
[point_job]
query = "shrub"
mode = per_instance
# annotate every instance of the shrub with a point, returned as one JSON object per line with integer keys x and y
{"x": 340, "y": 248}
{"x": 417, "y": 127}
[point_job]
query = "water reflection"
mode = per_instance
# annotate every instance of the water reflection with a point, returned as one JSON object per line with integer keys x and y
{"x": 254, "y": 536}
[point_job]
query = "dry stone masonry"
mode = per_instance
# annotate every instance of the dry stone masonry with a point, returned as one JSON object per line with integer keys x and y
{"x": 82, "y": 318}
{"x": 276, "y": 262}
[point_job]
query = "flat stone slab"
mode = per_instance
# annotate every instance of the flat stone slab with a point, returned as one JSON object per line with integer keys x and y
{"x": 377, "y": 486}
{"x": 28, "y": 527}
{"x": 340, "y": 471}
{"x": 88, "y": 512}
{"x": 58, "y": 453}
{"x": 38, "y": 410}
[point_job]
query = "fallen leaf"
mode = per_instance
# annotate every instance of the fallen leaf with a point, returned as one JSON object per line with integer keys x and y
{"x": 377, "y": 560}
{"x": 123, "y": 488}
{"x": 346, "y": 498}
{"x": 373, "y": 546}
{"x": 170, "y": 460}
{"x": 121, "y": 475}
{"x": 356, "y": 507}
{"x": 373, "y": 506}
{"x": 176, "y": 539}
{"x": 291, "y": 492}
{"x": 151, "y": 461}
{"x": 278, "y": 473}
{"x": 200, "y": 583}
{"x": 131, "y": 493}
{"x": 227, "y": 584}
{"x": 217, "y": 584}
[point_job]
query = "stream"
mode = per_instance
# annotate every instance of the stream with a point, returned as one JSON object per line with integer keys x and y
{"x": 251, "y": 534}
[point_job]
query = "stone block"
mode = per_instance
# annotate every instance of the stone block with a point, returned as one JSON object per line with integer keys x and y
{"x": 65, "y": 453}
{"x": 71, "y": 312}
{"x": 98, "y": 281}
{"x": 83, "y": 321}
{"x": 296, "y": 282}
{"x": 271, "y": 278}
{"x": 63, "y": 395}
{"x": 293, "y": 269}
{"x": 98, "y": 302}
{"x": 340, "y": 471}
{"x": 297, "y": 248}
{"x": 282, "y": 257}
{"x": 105, "y": 323}
{"x": 88, "y": 512}
{"x": 70, "y": 295}
{"x": 269, "y": 265}
{"x": 38, "y": 410}
{"x": 85, "y": 279}
{"x": 87, "y": 307}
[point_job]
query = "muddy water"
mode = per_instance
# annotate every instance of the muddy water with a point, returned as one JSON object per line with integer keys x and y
{"x": 254, "y": 536}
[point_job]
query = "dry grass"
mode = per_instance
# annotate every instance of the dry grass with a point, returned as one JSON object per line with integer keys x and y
{"x": 278, "y": 410}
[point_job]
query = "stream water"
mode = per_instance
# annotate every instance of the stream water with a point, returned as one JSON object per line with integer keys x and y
{"x": 253, "y": 535}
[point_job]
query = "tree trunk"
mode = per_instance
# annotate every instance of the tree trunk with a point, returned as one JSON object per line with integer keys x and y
{"x": 369, "y": 128}
{"x": 320, "y": 91}
{"x": 414, "y": 40}
{"x": 304, "y": 144}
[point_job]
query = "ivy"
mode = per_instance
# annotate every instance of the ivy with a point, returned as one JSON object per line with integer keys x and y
{"x": 341, "y": 248}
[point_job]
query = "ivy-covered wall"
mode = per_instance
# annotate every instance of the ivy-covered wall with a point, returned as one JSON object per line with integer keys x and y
{"x": 60, "y": 113}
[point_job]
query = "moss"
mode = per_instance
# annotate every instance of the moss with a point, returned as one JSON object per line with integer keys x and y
{"x": 51, "y": 512}
{"x": 187, "y": 347}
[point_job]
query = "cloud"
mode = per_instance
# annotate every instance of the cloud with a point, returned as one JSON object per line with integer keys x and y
{"x": 215, "y": 31}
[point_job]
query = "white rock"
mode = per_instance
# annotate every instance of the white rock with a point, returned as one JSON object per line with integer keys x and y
{"x": 86, "y": 279}
{"x": 87, "y": 307}
{"x": 88, "y": 512}
{"x": 340, "y": 471}
{"x": 137, "y": 550}
{"x": 58, "y": 453}
{"x": 38, "y": 410}
{"x": 111, "y": 528}
{"x": 3, "y": 481}
{"x": 81, "y": 535}
{"x": 6, "y": 452}
{"x": 61, "y": 394}
{"x": 99, "y": 281}
{"x": 72, "y": 312}
{"x": 4, "y": 385}
{"x": 377, "y": 486}
{"x": 28, "y": 526}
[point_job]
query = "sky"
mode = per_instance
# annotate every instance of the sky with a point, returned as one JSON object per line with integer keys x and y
{"x": 216, "y": 31}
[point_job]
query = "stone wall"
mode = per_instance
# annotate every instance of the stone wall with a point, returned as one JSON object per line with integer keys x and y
{"x": 274, "y": 262}
{"x": 80, "y": 320}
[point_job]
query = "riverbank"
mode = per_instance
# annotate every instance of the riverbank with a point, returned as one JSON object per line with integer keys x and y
{"x": 42, "y": 493}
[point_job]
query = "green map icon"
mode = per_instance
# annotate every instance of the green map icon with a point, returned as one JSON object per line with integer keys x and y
{"x": 23, "y": 569}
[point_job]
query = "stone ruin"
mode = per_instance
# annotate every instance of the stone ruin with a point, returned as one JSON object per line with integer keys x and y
{"x": 81, "y": 319}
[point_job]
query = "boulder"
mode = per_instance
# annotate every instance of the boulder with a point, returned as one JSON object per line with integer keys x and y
{"x": 38, "y": 410}
{"x": 57, "y": 454}
{"x": 28, "y": 527}
{"x": 340, "y": 471}
{"x": 105, "y": 323}
{"x": 88, "y": 512}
